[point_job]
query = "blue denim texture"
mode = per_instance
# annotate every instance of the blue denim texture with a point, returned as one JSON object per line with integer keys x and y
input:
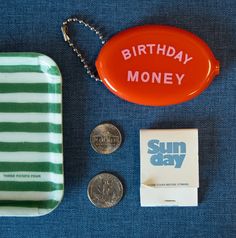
{"x": 35, "y": 26}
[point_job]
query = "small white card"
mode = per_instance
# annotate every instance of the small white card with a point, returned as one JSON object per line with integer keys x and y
{"x": 169, "y": 171}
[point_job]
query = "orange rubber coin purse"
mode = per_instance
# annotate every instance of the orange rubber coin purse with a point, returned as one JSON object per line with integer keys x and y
{"x": 152, "y": 65}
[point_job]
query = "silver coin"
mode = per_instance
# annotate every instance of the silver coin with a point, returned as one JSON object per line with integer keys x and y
{"x": 105, "y": 138}
{"x": 105, "y": 190}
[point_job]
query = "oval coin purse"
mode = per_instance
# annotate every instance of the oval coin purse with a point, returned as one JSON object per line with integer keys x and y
{"x": 152, "y": 65}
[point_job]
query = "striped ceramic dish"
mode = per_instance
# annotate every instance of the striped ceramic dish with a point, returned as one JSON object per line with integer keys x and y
{"x": 31, "y": 156}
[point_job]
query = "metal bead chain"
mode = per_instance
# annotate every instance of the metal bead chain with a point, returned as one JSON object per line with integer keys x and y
{"x": 64, "y": 30}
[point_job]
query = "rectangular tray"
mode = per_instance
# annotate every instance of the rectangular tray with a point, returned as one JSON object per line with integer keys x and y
{"x": 31, "y": 151}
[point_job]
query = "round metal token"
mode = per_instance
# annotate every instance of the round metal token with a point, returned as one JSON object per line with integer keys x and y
{"x": 105, "y": 190}
{"x": 105, "y": 138}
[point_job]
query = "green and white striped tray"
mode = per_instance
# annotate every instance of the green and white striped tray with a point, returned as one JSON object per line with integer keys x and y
{"x": 31, "y": 152}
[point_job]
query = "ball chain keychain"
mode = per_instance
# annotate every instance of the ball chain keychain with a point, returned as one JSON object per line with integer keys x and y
{"x": 64, "y": 29}
{"x": 152, "y": 65}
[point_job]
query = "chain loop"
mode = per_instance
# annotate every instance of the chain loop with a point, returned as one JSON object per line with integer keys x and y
{"x": 77, "y": 51}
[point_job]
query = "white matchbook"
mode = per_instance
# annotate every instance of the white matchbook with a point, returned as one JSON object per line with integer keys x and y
{"x": 169, "y": 174}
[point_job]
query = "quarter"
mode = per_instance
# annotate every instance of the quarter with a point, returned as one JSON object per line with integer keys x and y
{"x": 105, "y": 138}
{"x": 105, "y": 190}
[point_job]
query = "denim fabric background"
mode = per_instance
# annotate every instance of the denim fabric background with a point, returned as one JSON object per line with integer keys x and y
{"x": 35, "y": 26}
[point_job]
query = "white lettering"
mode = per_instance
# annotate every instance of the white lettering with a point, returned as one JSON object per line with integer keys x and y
{"x": 170, "y": 51}
{"x": 150, "y": 46}
{"x": 187, "y": 59}
{"x": 141, "y": 48}
{"x": 179, "y": 56}
{"x": 126, "y": 54}
{"x": 161, "y": 49}
{"x": 156, "y": 77}
{"x": 133, "y": 78}
{"x": 179, "y": 78}
{"x": 134, "y": 51}
{"x": 158, "y": 49}
{"x": 168, "y": 78}
{"x": 145, "y": 77}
